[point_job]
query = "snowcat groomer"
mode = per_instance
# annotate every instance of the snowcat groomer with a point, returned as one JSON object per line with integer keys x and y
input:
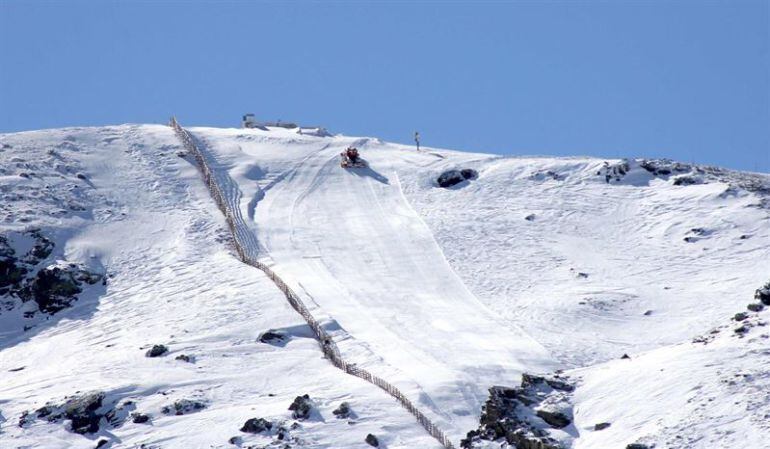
{"x": 350, "y": 158}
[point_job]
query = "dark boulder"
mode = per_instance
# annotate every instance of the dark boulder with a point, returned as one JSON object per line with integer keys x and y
{"x": 601, "y": 426}
{"x": 372, "y": 440}
{"x": 637, "y": 446}
{"x": 101, "y": 443}
{"x": 185, "y": 358}
{"x": 11, "y": 272}
{"x": 453, "y": 177}
{"x": 763, "y": 294}
{"x": 301, "y": 407}
{"x": 755, "y": 307}
{"x": 740, "y": 316}
{"x": 140, "y": 418}
{"x": 272, "y": 337}
{"x": 54, "y": 288}
{"x": 82, "y": 411}
{"x": 156, "y": 351}
{"x": 343, "y": 411}
{"x": 556, "y": 420}
{"x": 256, "y": 425}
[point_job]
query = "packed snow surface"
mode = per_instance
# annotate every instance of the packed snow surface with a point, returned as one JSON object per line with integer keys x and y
{"x": 533, "y": 264}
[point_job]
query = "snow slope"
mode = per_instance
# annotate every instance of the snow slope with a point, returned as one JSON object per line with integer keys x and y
{"x": 148, "y": 221}
{"x": 538, "y": 264}
{"x": 597, "y": 270}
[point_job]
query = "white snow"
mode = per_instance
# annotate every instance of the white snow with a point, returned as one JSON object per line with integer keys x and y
{"x": 442, "y": 292}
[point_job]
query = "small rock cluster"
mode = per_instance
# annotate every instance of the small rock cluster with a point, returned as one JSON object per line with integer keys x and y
{"x": 84, "y": 411}
{"x": 183, "y": 407}
{"x": 52, "y": 287}
{"x": 522, "y": 417}
{"x": 614, "y": 172}
{"x": 453, "y": 177}
{"x": 301, "y": 407}
{"x": 745, "y": 320}
{"x": 543, "y": 175}
{"x": 664, "y": 167}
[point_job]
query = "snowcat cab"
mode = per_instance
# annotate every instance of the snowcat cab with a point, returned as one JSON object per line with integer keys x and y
{"x": 350, "y": 158}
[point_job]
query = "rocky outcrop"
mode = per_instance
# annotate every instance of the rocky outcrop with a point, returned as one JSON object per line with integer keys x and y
{"x": 453, "y": 177}
{"x": 84, "y": 411}
{"x": 156, "y": 351}
{"x": 256, "y": 425}
{"x": 522, "y": 417}
{"x": 272, "y": 337}
{"x": 184, "y": 407}
{"x": 763, "y": 294}
{"x": 52, "y": 287}
{"x": 301, "y": 407}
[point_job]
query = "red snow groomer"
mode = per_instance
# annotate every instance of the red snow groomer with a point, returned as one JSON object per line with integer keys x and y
{"x": 350, "y": 159}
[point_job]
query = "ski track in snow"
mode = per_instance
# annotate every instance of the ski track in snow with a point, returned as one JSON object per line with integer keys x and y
{"x": 448, "y": 349}
{"x": 443, "y": 292}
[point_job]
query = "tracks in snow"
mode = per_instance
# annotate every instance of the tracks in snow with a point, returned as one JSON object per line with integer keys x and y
{"x": 227, "y": 196}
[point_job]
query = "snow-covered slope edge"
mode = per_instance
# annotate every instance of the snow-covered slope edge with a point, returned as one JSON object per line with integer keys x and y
{"x": 600, "y": 259}
{"x": 140, "y": 214}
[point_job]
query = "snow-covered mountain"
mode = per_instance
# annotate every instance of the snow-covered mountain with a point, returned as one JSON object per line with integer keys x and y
{"x": 128, "y": 320}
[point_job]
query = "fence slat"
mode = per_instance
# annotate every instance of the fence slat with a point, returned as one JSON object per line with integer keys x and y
{"x": 328, "y": 346}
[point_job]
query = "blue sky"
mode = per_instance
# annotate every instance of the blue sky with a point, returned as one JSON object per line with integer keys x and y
{"x": 688, "y": 80}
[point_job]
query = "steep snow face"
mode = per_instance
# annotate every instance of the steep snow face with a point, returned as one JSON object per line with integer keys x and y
{"x": 352, "y": 246}
{"x": 528, "y": 264}
{"x": 139, "y": 214}
{"x": 443, "y": 290}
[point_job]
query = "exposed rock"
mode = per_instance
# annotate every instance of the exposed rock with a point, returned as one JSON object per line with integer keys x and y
{"x": 372, "y": 440}
{"x": 546, "y": 174}
{"x": 763, "y": 294}
{"x": 637, "y": 446}
{"x": 453, "y": 177}
{"x": 54, "y": 288}
{"x": 528, "y": 380}
{"x": 256, "y": 425}
{"x": 10, "y": 271}
{"x": 755, "y": 307}
{"x": 530, "y": 217}
{"x": 740, "y": 316}
{"x": 508, "y": 417}
{"x": 601, "y": 426}
{"x": 556, "y": 420}
{"x": 469, "y": 173}
{"x": 686, "y": 180}
{"x": 272, "y": 337}
{"x": 614, "y": 172}
{"x": 156, "y": 351}
{"x": 184, "y": 407}
{"x": 140, "y": 418}
{"x": 301, "y": 407}
{"x": 625, "y": 357}
{"x": 101, "y": 443}
{"x": 84, "y": 411}
{"x": 664, "y": 167}
{"x": 343, "y": 411}
{"x": 185, "y": 358}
